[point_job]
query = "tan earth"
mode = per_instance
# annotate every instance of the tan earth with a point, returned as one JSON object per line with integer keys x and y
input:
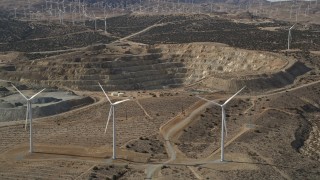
{"x": 165, "y": 131}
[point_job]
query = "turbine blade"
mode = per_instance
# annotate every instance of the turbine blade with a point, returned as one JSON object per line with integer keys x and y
{"x": 37, "y": 94}
{"x": 233, "y": 96}
{"x": 20, "y": 92}
{"x": 292, "y": 26}
{"x": 105, "y": 93}
{"x": 110, "y": 113}
{"x": 118, "y": 102}
{"x": 213, "y": 102}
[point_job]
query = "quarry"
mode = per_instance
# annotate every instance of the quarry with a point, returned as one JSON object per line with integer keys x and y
{"x": 178, "y": 89}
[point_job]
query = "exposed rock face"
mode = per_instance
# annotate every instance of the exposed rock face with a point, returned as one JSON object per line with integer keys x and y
{"x": 311, "y": 146}
{"x": 227, "y": 68}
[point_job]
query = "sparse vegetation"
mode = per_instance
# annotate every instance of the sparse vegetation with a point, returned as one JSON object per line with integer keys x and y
{"x": 163, "y": 62}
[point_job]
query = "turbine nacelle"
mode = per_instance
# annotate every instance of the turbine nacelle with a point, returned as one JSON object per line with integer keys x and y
{"x": 226, "y": 102}
{"x": 29, "y": 104}
{"x": 26, "y": 97}
{"x": 112, "y": 105}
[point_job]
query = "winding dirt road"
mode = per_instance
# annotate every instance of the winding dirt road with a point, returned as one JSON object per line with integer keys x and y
{"x": 170, "y": 129}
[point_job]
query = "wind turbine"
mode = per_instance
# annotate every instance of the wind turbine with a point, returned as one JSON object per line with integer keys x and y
{"x": 306, "y": 11}
{"x": 63, "y": 7}
{"x": 111, "y": 113}
{"x": 95, "y": 21}
{"x": 72, "y": 16}
{"x": 79, "y": 9}
{"x": 70, "y": 7}
{"x": 105, "y": 24}
{"x": 29, "y": 5}
{"x": 60, "y": 18}
{"x": 29, "y": 114}
{"x": 192, "y": 7}
{"x": 15, "y": 12}
{"x": 223, "y": 120}
{"x": 46, "y": 4}
{"x": 30, "y": 12}
{"x": 291, "y": 10}
{"x": 289, "y": 36}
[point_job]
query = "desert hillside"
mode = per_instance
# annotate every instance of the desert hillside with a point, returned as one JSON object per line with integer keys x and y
{"x": 105, "y": 89}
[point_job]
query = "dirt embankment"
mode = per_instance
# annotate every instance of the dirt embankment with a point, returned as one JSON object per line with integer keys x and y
{"x": 259, "y": 82}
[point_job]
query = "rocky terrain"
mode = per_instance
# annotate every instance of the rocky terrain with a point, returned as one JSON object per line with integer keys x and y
{"x": 163, "y": 56}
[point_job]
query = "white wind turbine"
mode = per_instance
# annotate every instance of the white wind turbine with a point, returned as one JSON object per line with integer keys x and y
{"x": 289, "y": 36}
{"x": 29, "y": 114}
{"x": 70, "y": 7}
{"x": 291, "y": 10}
{"x": 105, "y": 24}
{"x": 111, "y": 112}
{"x": 223, "y": 120}
{"x": 72, "y": 16}
{"x": 15, "y": 12}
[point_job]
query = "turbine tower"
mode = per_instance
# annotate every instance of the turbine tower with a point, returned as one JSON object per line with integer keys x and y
{"x": 111, "y": 113}
{"x": 105, "y": 24}
{"x": 223, "y": 120}
{"x": 29, "y": 114}
{"x": 289, "y": 36}
{"x": 95, "y": 22}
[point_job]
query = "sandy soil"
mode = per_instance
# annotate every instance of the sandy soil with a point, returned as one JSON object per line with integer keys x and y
{"x": 171, "y": 134}
{"x": 265, "y": 141}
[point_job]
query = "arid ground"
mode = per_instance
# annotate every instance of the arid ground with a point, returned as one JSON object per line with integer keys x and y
{"x": 163, "y": 56}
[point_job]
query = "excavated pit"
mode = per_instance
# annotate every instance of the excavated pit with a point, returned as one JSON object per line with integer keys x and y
{"x": 130, "y": 66}
{"x": 13, "y": 107}
{"x": 221, "y": 67}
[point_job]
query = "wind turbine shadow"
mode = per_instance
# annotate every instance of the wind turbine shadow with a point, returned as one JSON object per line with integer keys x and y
{"x": 71, "y": 155}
